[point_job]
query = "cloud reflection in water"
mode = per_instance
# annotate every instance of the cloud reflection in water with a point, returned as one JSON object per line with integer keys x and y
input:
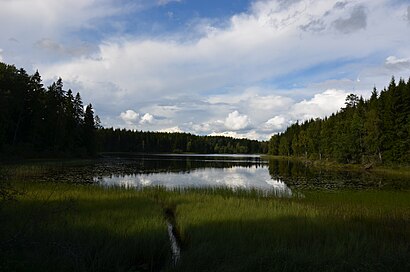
{"x": 254, "y": 177}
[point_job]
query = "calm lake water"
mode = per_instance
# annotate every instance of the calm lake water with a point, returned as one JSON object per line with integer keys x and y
{"x": 232, "y": 171}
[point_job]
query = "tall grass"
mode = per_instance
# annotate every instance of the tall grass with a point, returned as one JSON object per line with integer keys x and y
{"x": 61, "y": 227}
{"x": 345, "y": 231}
{"x": 71, "y": 227}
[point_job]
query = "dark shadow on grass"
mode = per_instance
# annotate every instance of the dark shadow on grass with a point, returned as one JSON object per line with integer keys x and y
{"x": 83, "y": 235}
{"x": 298, "y": 244}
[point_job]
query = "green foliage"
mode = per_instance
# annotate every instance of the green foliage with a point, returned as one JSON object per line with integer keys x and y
{"x": 374, "y": 130}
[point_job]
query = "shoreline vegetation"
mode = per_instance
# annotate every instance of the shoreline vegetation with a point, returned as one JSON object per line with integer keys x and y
{"x": 87, "y": 227}
{"x": 391, "y": 169}
{"x": 92, "y": 228}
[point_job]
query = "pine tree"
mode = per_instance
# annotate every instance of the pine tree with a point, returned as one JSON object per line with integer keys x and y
{"x": 89, "y": 130}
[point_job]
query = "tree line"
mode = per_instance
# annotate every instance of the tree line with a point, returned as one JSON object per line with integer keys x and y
{"x": 50, "y": 121}
{"x": 372, "y": 130}
{"x": 37, "y": 121}
{"x": 123, "y": 140}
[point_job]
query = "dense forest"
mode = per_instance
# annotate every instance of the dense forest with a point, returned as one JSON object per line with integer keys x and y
{"x": 123, "y": 140}
{"x": 49, "y": 121}
{"x": 46, "y": 122}
{"x": 374, "y": 130}
{"x": 39, "y": 121}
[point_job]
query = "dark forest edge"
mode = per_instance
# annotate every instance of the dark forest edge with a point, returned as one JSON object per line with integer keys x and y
{"x": 39, "y": 122}
{"x": 367, "y": 132}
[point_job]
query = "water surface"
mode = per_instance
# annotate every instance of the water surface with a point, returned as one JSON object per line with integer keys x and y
{"x": 198, "y": 171}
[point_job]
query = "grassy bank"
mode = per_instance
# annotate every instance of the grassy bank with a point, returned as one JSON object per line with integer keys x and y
{"x": 322, "y": 232}
{"x": 65, "y": 227}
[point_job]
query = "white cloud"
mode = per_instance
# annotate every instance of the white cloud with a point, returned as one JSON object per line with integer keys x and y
{"x": 46, "y": 17}
{"x": 320, "y": 105}
{"x": 129, "y": 116}
{"x": 265, "y": 43}
{"x": 171, "y": 129}
{"x": 236, "y": 121}
{"x": 1, "y": 57}
{"x": 277, "y": 123}
{"x": 395, "y": 63}
{"x": 235, "y": 134}
{"x": 165, "y": 2}
{"x": 253, "y": 59}
{"x": 147, "y": 119}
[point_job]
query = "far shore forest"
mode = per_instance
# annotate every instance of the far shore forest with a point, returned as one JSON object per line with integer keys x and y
{"x": 47, "y": 122}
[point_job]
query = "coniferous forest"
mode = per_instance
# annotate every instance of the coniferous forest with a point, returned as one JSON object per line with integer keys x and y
{"x": 38, "y": 121}
{"x": 373, "y": 130}
{"x": 49, "y": 121}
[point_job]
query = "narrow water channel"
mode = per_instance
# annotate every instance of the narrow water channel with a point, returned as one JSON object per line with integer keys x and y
{"x": 175, "y": 248}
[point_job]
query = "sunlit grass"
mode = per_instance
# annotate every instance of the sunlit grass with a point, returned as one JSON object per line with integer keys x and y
{"x": 324, "y": 231}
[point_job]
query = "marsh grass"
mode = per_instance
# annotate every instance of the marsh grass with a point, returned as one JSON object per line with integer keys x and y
{"x": 345, "y": 231}
{"x": 71, "y": 227}
{"x": 61, "y": 227}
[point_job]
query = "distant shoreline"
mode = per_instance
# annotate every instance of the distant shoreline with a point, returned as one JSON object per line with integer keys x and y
{"x": 402, "y": 170}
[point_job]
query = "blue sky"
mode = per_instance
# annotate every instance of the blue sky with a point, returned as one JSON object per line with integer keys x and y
{"x": 243, "y": 68}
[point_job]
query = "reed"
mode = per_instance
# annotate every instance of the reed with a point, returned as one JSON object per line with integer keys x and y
{"x": 72, "y": 227}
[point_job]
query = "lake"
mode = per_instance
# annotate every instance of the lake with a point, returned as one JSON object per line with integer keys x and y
{"x": 246, "y": 172}
{"x": 71, "y": 216}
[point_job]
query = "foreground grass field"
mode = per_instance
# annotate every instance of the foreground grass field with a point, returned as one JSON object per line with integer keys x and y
{"x": 66, "y": 227}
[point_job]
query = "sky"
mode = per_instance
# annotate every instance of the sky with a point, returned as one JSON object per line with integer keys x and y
{"x": 241, "y": 68}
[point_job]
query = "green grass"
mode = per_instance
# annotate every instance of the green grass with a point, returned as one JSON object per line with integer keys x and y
{"x": 346, "y": 231}
{"x": 62, "y": 227}
{"x": 68, "y": 227}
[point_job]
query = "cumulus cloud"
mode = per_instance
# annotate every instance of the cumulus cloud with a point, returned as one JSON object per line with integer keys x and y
{"x": 320, "y": 105}
{"x": 129, "y": 116}
{"x": 1, "y": 57}
{"x": 276, "y": 124}
{"x": 277, "y": 62}
{"x": 171, "y": 129}
{"x": 147, "y": 119}
{"x": 236, "y": 121}
{"x": 239, "y": 135}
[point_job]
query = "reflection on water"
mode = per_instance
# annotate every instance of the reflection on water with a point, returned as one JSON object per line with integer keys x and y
{"x": 233, "y": 171}
{"x": 298, "y": 175}
{"x": 252, "y": 177}
{"x": 192, "y": 171}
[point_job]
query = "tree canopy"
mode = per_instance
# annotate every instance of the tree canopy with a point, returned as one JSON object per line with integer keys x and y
{"x": 373, "y": 130}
